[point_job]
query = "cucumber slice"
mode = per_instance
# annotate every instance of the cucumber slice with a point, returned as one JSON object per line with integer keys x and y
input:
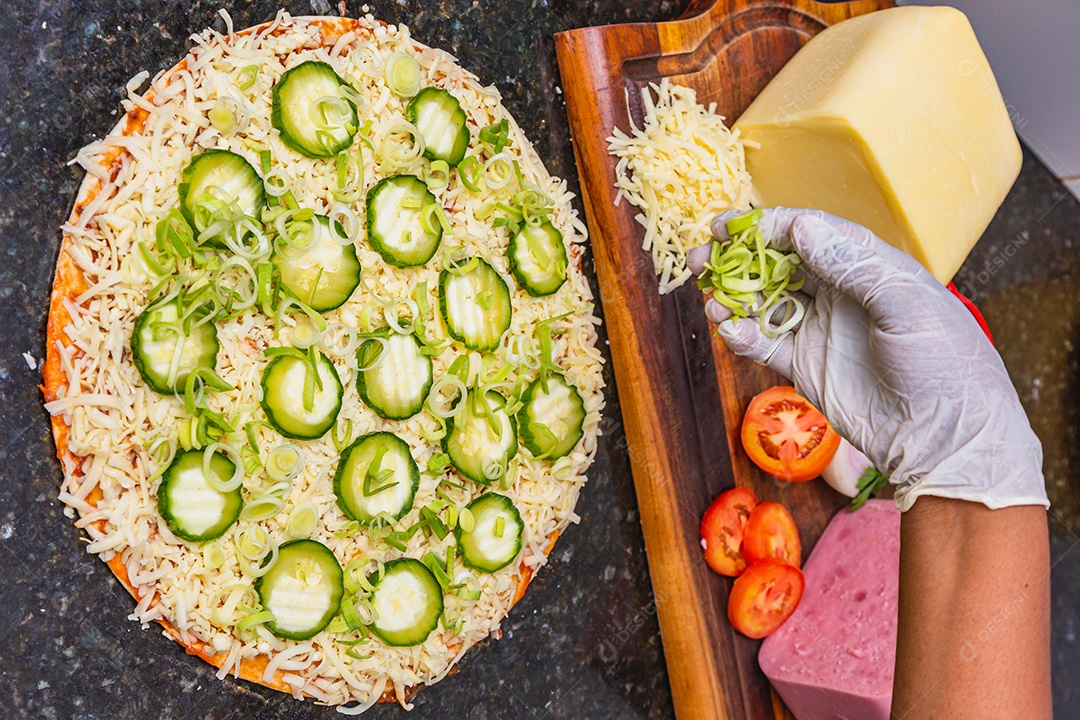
{"x": 194, "y": 509}
{"x": 408, "y": 603}
{"x": 538, "y": 258}
{"x": 302, "y": 590}
{"x": 495, "y": 539}
{"x": 438, "y": 116}
{"x": 472, "y": 441}
{"x": 475, "y": 304}
{"x": 395, "y": 225}
{"x": 398, "y": 386}
{"x": 376, "y": 474}
{"x": 154, "y": 347}
{"x": 213, "y": 180}
{"x": 283, "y": 385}
{"x": 550, "y": 420}
{"x": 324, "y": 273}
{"x": 312, "y": 114}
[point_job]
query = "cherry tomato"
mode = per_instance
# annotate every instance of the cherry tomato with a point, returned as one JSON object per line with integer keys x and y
{"x": 770, "y": 534}
{"x": 786, "y": 436}
{"x": 763, "y": 597}
{"x": 722, "y": 530}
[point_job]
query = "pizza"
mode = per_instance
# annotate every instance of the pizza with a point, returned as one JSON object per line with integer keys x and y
{"x": 322, "y": 364}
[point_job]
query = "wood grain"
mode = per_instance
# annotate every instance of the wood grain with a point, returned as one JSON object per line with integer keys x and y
{"x": 683, "y": 394}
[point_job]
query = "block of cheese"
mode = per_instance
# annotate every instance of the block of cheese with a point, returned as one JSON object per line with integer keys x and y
{"x": 893, "y": 120}
{"x": 833, "y": 659}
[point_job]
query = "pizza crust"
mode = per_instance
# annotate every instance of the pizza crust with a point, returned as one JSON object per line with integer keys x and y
{"x": 69, "y": 283}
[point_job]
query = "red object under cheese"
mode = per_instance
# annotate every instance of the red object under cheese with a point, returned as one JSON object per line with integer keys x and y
{"x": 833, "y": 659}
{"x": 973, "y": 310}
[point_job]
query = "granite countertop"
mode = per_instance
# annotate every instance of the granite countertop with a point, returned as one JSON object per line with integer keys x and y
{"x": 584, "y": 642}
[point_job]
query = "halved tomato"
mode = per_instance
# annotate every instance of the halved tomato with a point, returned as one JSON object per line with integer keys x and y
{"x": 770, "y": 534}
{"x": 722, "y": 530}
{"x": 763, "y": 597}
{"x": 786, "y": 436}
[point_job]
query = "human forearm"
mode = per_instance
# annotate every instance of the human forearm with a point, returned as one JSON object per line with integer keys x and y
{"x": 902, "y": 370}
{"x": 974, "y": 625}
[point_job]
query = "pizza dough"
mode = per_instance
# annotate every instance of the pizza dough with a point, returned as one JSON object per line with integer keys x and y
{"x": 113, "y": 432}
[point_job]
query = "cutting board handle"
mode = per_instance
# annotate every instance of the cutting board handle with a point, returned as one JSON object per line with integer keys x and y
{"x": 683, "y": 394}
{"x": 700, "y": 7}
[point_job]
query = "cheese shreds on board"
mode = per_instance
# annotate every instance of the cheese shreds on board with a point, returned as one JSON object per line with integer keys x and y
{"x": 107, "y": 419}
{"x": 682, "y": 167}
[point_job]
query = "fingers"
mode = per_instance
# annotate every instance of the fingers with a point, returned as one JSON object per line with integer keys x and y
{"x": 858, "y": 271}
{"x": 745, "y": 338}
{"x": 781, "y": 221}
{"x": 778, "y": 222}
{"x": 810, "y": 281}
{"x": 697, "y": 257}
{"x": 776, "y": 227}
{"x": 716, "y": 312}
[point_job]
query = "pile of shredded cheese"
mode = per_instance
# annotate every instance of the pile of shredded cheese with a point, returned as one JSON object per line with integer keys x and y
{"x": 681, "y": 168}
{"x": 114, "y": 417}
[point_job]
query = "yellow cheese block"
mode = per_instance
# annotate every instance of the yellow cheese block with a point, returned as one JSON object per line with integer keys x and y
{"x": 893, "y": 120}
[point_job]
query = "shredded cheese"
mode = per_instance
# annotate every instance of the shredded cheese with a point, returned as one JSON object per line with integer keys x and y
{"x": 114, "y": 418}
{"x": 682, "y": 167}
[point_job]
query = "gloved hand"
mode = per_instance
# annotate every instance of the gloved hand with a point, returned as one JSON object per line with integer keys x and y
{"x": 896, "y": 363}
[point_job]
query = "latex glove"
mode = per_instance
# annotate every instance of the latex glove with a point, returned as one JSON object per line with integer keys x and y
{"x": 896, "y": 363}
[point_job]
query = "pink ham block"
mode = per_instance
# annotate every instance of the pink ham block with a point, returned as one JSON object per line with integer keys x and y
{"x": 833, "y": 659}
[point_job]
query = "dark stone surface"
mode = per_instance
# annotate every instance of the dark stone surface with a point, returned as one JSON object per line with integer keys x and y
{"x": 584, "y": 641}
{"x": 1025, "y": 275}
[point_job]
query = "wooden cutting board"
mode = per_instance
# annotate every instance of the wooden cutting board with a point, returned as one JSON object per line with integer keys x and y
{"x": 683, "y": 394}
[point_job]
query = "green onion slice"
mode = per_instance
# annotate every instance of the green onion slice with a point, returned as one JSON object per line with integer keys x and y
{"x": 438, "y": 175}
{"x": 402, "y": 75}
{"x": 213, "y": 556}
{"x": 401, "y": 145}
{"x": 262, "y": 507}
{"x": 162, "y": 450}
{"x": 255, "y": 618}
{"x": 742, "y": 223}
{"x": 221, "y": 117}
{"x": 285, "y": 462}
{"x": 498, "y": 171}
{"x": 245, "y": 76}
{"x": 238, "y": 467}
{"x": 497, "y": 135}
{"x": 302, "y": 521}
{"x": 465, "y": 520}
{"x": 434, "y": 218}
{"x": 471, "y": 173}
